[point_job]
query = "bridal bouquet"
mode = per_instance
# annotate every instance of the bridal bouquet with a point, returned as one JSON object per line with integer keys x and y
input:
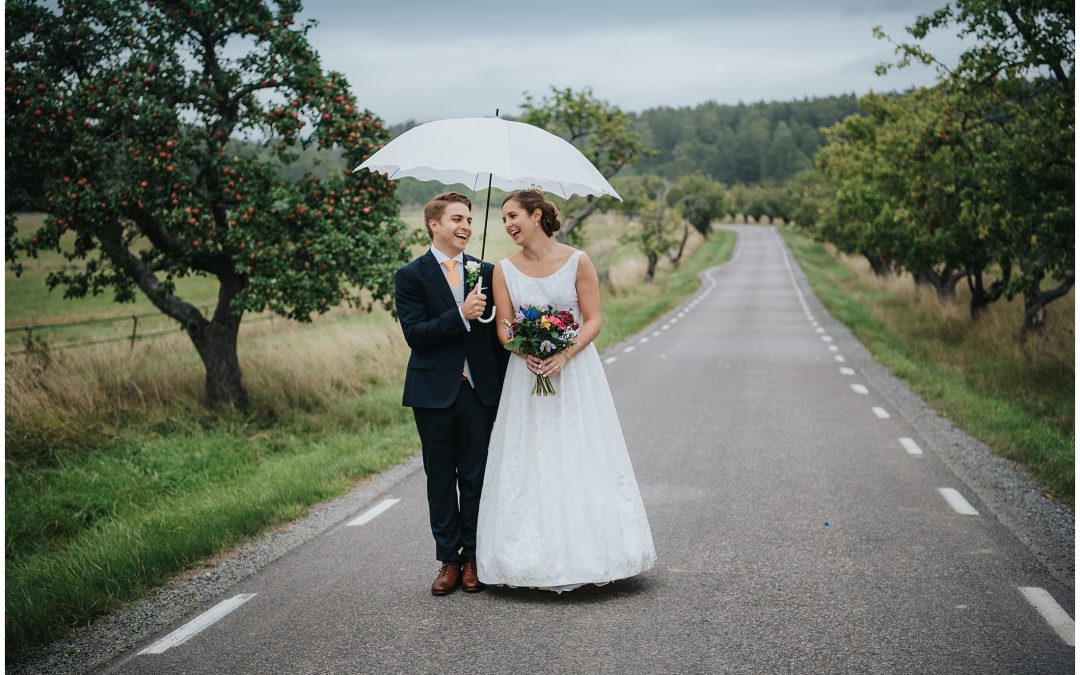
{"x": 541, "y": 332}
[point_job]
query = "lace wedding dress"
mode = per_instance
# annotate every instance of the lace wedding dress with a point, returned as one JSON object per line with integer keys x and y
{"x": 560, "y": 506}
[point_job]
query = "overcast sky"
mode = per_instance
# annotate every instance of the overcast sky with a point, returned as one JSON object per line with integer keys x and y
{"x": 425, "y": 60}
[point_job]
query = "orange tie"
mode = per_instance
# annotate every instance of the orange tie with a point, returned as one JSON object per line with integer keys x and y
{"x": 451, "y": 274}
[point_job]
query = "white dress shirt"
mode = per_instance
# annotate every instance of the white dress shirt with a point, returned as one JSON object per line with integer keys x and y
{"x": 459, "y": 292}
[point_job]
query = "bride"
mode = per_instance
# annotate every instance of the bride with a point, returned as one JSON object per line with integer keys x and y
{"x": 560, "y": 506}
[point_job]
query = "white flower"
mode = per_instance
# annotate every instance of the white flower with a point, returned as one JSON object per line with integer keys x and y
{"x": 547, "y": 346}
{"x": 472, "y": 272}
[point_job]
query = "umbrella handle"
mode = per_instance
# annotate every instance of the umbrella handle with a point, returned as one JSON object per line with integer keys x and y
{"x": 489, "y": 319}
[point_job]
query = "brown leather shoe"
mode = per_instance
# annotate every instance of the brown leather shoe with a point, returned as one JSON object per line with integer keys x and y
{"x": 447, "y": 581}
{"x": 470, "y": 583}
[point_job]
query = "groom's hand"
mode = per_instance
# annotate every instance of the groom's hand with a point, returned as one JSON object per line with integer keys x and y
{"x": 474, "y": 304}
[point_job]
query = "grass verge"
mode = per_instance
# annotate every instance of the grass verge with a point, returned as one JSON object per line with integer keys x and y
{"x": 117, "y": 479}
{"x": 1018, "y": 399}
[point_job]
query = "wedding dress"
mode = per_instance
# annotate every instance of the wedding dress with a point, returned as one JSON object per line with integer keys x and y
{"x": 560, "y": 507}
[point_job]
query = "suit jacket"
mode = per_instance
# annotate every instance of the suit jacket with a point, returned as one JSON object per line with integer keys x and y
{"x": 440, "y": 343}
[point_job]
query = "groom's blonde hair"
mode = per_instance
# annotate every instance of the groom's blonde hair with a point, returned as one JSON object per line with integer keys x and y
{"x": 434, "y": 209}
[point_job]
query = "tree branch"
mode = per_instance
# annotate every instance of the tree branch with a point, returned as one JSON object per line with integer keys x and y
{"x": 1055, "y": 67}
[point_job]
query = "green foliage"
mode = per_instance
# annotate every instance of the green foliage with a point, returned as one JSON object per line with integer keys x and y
{"x": 123, "y": 119}
{"x": 740, "y": 144}
{"x": 975, "y": 173}
{"x": 648, "y": 200}
{"x": 601, "y": 131}
{"x": 701, "y": 200}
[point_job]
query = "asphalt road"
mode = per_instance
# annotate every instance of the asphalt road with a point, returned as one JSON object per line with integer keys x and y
{"x": 795, "y": 532}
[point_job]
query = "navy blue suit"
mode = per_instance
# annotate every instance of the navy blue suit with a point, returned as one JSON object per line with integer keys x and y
{"x": 453, "y": 418}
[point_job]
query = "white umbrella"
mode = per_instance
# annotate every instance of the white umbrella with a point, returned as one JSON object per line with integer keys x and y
{"x": 472, "y": 150}
{"x": 489, "y": 152}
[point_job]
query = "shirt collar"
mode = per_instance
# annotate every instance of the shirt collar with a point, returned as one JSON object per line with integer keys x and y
{"x": 441, "y": 257}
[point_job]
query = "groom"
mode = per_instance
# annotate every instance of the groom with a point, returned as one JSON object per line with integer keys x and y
{"x": 453, "y": 382}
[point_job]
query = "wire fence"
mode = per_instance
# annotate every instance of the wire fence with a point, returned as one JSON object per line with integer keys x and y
{"x": 34, "y": 338}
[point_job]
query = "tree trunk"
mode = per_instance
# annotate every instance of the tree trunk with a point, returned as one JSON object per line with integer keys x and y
{"x": 879, "y": 264}
{"x": 573, "y": 220}
{"x": 1035, "y": 302}
{"x": 677, "y": 258}
{"x": 216, "y": 344}
{"x": 944, "y": 282}
{"x": 981, "y": 298}
{"x": 650, "y": 271}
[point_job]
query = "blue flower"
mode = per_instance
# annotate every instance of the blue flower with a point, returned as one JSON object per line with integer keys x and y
{"x": 531, "y": 313}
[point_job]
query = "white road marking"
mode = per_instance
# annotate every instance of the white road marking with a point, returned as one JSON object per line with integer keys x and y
{"x": 665, "y": 326}
{"x": 882, "y": 413}
{"x": 860, "y": 389}
{"x": 610, "y": 359}
{"x": 826, "y": 338}
{"x": 814, "y": 324}
{"x": 847, "y": 371}
{"x": 1057, "y": 617}
{"x": 957, "y": 501}
{"x": 819, "y": 329}
{"x": 833, "y": 348}
{"x": 839, "y": 359}
{"x": 629, "y": 349}
{"x": 911, "y": 446}
{"x": 370, "y": 514}
{"x": 656, "y": 333}
{"x": 643, "y": 340}
{"x": 198, "y": 624}
{"x": 674, "y": 320}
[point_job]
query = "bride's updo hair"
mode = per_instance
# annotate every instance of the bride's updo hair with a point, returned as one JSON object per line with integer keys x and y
{"x": 533, "y": 199}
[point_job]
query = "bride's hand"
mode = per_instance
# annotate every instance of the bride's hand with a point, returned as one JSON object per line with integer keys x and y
{"x": 554, "y": 365}
{"x": 532, "y": 362}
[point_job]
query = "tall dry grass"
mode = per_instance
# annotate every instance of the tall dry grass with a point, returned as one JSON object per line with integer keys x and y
{"x": 88, "y": 397}
{"x": 986, "y": 351}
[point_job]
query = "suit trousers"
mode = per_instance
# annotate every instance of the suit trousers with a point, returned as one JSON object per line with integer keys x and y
{"x": 454, "y": 444}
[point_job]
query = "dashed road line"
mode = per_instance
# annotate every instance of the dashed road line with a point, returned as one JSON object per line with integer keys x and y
{"x": 911, "y": 446}
{"x": 839, "y": 359}
{"x": 957, "y": 501}
{"x": 198, "y": 624}
{"x": 860, "y": 389}
{"x": 370, "y": 514}
{"x": 610, "y": 359}
{"x": 847, "y": 371}
{"x": 882, "y": 413}
{"x": 1050, "y": 610}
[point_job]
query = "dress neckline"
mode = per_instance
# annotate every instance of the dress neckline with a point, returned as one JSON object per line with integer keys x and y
{"x": 572, "y": 256}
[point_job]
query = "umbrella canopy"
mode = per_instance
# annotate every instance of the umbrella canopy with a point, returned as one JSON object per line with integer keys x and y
{"x": 475, "y": 150}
